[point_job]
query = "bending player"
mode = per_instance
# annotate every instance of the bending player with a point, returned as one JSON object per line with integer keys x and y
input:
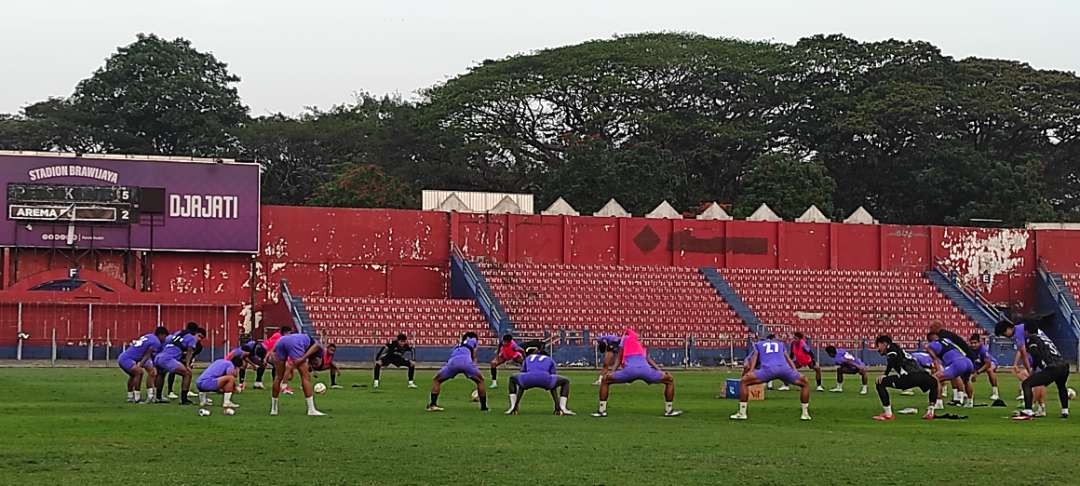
{"x": 910, "y": 374}
{"x": 637, "y": 365}
{"x": 1022, "y": 363}
{"x": 538, "y": 371}
{"x": 1052, "y": 368}
{"x": 927, "y": 363}
{"x": 138, "y": 359}
{"x": 775, "y": 364}
{"x": 324, "y": 361}
{"x": 509, "y": 350}
{"x": 292, "y": 352}
{"x": 803, "y": 355}
{"x": 190, "y": 328}
{"x": 462, "y": 361}
{"x": 393, "y": 354}
{"x": 179, "y": 348}
{"x": 846, "y": 364}
{"x": 951, "y": 364}
{"x": 220, "y": 376}
{"x": 985, "y": 364}
{"x": 254, "y": 356}
{"x": 607, "y": 347}
{"x": 268, "y": 346}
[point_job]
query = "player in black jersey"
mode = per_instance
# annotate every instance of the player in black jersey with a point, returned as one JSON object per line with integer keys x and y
{"x": 909, "y": 374}
{"x": 1052, "y": 369}
{"x": 393, "y": 354}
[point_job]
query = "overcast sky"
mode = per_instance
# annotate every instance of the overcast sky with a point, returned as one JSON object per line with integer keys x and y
{"x": 291, "y": 54}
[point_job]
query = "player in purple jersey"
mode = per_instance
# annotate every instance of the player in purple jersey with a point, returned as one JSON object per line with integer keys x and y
{"x": 985, "y": 364}
{"x": 179, "y": 347}
{"x": 462, "y": 362}
{"x": 846, "y": 364}
{"x": 607, "y": 346}
{"x": 1022, "y": 365}
{"x": 951, "y": 364}
{"x": 637, "y": 365}
{"x": 775, "y": 364}
{"x": 138, "y": 358}
{"x": 220, "y": 376}
{"x": 292, "y": 352}
{"x": 538, "y": 371}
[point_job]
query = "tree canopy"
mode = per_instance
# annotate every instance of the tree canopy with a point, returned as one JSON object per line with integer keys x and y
{"x": 911, "y": 134}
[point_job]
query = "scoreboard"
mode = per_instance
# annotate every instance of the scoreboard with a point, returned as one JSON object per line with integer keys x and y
{"x": 73, "y": 203}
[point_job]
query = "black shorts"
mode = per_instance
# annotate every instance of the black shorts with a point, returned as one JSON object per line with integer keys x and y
{"x": 1058, "y": 374}
{"x": 395, "y": 360}
{"x": 903, "y": 382}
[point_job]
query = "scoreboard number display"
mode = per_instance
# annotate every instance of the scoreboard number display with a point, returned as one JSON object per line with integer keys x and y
{"x": 72, "y": 203}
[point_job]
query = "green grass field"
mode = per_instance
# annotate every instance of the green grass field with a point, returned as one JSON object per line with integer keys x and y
{"x": 71, "y": 425}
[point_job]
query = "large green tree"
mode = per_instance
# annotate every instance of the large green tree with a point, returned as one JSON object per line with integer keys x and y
{"x": 787, "y": 185}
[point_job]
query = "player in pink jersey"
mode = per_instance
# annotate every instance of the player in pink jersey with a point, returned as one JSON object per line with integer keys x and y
{"x": 635, "y": 364}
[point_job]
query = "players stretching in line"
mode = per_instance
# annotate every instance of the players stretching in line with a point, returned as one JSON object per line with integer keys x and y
{"x": 220, "y": 376}
{"x": 985, "y": 364}
{"x": 292, "y": 352}
{"x": 607, "y": 347}
{"x": 538, "y": 371}
{"x": 846, "y": 364}
{"x": 1022, "y": 363}
{"x": 1052, "y": 368}
{"x": 509, "y": 350}
{"x": 910, "y": 374}
{"x": 393, "y": 354}
{"x": 637, "y": 365}
{"x": 803, "y": 355}
{"x": 137, "y": 359}
{"x": 462, "y": 361}
{"x": 775, "y": 364}
{"x": 951, "y": 364}
{"x": 179, "y": 347}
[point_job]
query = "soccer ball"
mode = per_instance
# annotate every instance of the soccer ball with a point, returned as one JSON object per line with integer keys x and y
{"x": 475, "y": 396}
{"x": 229, "y": 411}
{"x": 320, "y": 388}
{"x": 204, "y": 412}
{"x": 1072, "y": 394}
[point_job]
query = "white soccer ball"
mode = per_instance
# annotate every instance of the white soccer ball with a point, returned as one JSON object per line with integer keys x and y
{"x": 475, "y": 396}
{"x": 320, "y": 388}
{"x": 1072, "y": 394}
{"x": 204, "y": 412}
{"x": 229, "y": 411}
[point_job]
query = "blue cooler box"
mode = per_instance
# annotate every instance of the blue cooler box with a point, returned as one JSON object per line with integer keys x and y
{"x": 731, "y": 388}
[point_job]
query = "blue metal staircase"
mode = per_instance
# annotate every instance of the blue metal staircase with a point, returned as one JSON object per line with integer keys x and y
{"x": 466, "y": 282}
{"x": 968, "y": 301}
{"x": 724, "y": 289}
{"x": 301, "y": 319}
{"x": 1056, "y": 297}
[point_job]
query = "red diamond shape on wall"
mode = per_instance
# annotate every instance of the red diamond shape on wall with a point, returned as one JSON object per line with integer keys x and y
{"x": 647, "y": 240}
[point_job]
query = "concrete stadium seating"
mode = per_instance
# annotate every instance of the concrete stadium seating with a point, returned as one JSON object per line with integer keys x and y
{"x": 372, "y": 321}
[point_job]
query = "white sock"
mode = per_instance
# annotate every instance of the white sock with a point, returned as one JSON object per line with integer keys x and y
{"x": 888, "y": 409}
{"x": 137, "y": 395}
{"x": 310, "y": 404}
{"x": 1064, "y": 411}
{"x": 742, "y": 408}
{"x": 993, "y": 390}
{"x": 956, "y": 396}
{"x": 151, "y": 393}
{"x": 513, "y": 399}
{"x": 228, "y": 397}
{"x": 562, "y": 403}
{"x": 130, "y": 395}
{"x": 603, "y": 406}
{"x": 940, "y": 403}
{"x": 969, "y": 402}
{"x": 273, "y": 405}
{"x": 769, "y": 386}
{"x": 494, "y": 383}
{"x": 668, "y": 407}
{"x": 930, "y": 411}
{"x": 864, "y": 388}
{"x": 411, "y": 382}
{"x": 600, "y": 378}
{"x": 376, "y": 383}
{"x": 202, "y": 398}
{"x": 805, "y": 408}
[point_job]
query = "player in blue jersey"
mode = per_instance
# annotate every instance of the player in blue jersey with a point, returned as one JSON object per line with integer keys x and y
{"x": 846, "y": 364}
{"x": 462, "y": 361}
{"x": 137, "y": 359}
{"x": 951, "y": 364}
{"x": 538, "y": 371}
{"x": 985, "y": 364}
{"x": 770, "y": 361}
{"x": 178, "y": 349}
{"x": 607, "y": 346}
{"x": 293, "y": 352}
{"x": 220, "y": 377}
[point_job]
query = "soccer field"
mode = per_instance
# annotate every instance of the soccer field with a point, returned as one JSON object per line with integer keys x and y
{"x": 72, "y": 425}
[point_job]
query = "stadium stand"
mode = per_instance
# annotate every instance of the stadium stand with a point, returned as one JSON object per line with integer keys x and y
{"x": 847, "y": 306}
{"x": 666, "y": 304}
{"x": 367, "y": 321}
{"x": 1072, "y": 280}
